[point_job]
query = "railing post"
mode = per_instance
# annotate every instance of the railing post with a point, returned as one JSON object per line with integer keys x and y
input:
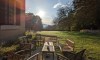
{"x": 37, "y": 57}
{"x": 35, "y": 44}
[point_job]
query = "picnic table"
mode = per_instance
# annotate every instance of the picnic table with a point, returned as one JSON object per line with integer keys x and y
{"x": 48, "y": 48}
{"x": 68, "y": 46}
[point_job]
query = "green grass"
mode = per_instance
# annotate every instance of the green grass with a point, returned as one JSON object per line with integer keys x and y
{"x": 88, "y": 41}
{"x": 5, "y": 50}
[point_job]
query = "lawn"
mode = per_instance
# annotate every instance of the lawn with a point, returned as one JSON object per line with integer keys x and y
{"x": 88, "y": 41}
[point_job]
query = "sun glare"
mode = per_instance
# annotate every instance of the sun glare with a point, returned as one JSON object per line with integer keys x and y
{"x": 41, "y": 14}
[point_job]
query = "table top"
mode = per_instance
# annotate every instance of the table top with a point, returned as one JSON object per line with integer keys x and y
{"x": 67, "y": 48}
{"x": 51, "y": 43}
{"x": 48, "y": 47}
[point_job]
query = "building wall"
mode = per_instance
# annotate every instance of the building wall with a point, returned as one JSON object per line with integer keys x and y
{"x": 11, "y": 28}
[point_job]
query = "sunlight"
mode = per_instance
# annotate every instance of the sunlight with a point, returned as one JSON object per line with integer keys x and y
{"x": 41, "y": 13}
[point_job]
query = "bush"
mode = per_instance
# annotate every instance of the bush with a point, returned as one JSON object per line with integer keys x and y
{"x": 5, "y": 50}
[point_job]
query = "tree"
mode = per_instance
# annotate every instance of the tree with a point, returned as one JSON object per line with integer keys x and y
{"x": 61, "y": 13}
{"x": 62, "y": 20}
{"x": 37, "y": 23}
{"x": 85, "y": 14}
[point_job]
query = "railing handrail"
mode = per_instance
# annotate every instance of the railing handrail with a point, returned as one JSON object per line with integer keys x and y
{"x": 33, "y": 56}
{"x": 22, "y": 51}
{"x": 62, "y": 56}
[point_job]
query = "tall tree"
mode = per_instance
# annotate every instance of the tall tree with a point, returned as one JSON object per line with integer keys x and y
{"x": 62, "y": 20}
{"x": 85, "y": 14}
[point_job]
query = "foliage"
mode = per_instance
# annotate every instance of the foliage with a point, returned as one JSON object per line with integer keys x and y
{"x": 65, "y": 22}
{"x": 33, "y": 22}
{"x": 37, "y": 25}
{"x": 83, "y": 16}
{"x": 61, "y": 13}
{"x": 30, "y": 33}
{"x": 64, "y": 18}
{"x": 5, "y": 50}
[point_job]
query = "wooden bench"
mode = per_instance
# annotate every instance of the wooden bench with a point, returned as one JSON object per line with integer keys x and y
{"x": 47, "y": 38}
{"x": 70, "y": 43}
{"x": 69, "y": 46}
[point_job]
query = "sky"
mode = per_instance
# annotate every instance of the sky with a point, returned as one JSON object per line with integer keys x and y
{"x": 47, "y": 9}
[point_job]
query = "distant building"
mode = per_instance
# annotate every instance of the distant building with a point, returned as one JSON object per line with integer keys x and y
{"x": 12, "y": 19}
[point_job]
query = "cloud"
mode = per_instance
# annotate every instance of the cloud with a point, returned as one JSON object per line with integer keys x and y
{"x": 59, "y": 5}
{"x": 47, "y": 20}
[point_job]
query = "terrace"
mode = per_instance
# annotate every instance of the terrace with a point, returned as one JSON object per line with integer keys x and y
{"x": 44, "y": 47}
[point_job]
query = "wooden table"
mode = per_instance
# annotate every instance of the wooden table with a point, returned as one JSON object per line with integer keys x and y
{"x": 48, "y": 48}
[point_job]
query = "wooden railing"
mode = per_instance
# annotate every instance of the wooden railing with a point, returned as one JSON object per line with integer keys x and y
{"x": 20, "y": 55}
{"x": 15, "y": 57}
{"x": 27, "y": 51}
{"x": 61, "y": 57}
{"x": 35, "y": 57}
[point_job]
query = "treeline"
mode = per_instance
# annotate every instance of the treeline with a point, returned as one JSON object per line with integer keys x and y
{"x": 83, "y": 14}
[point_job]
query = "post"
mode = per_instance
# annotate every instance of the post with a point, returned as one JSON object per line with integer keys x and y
{"x": 37, "y": 57}
{"x": 30, "y": 49}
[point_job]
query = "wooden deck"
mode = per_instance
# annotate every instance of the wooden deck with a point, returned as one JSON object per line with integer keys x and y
{"x": 48, "y": 51}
